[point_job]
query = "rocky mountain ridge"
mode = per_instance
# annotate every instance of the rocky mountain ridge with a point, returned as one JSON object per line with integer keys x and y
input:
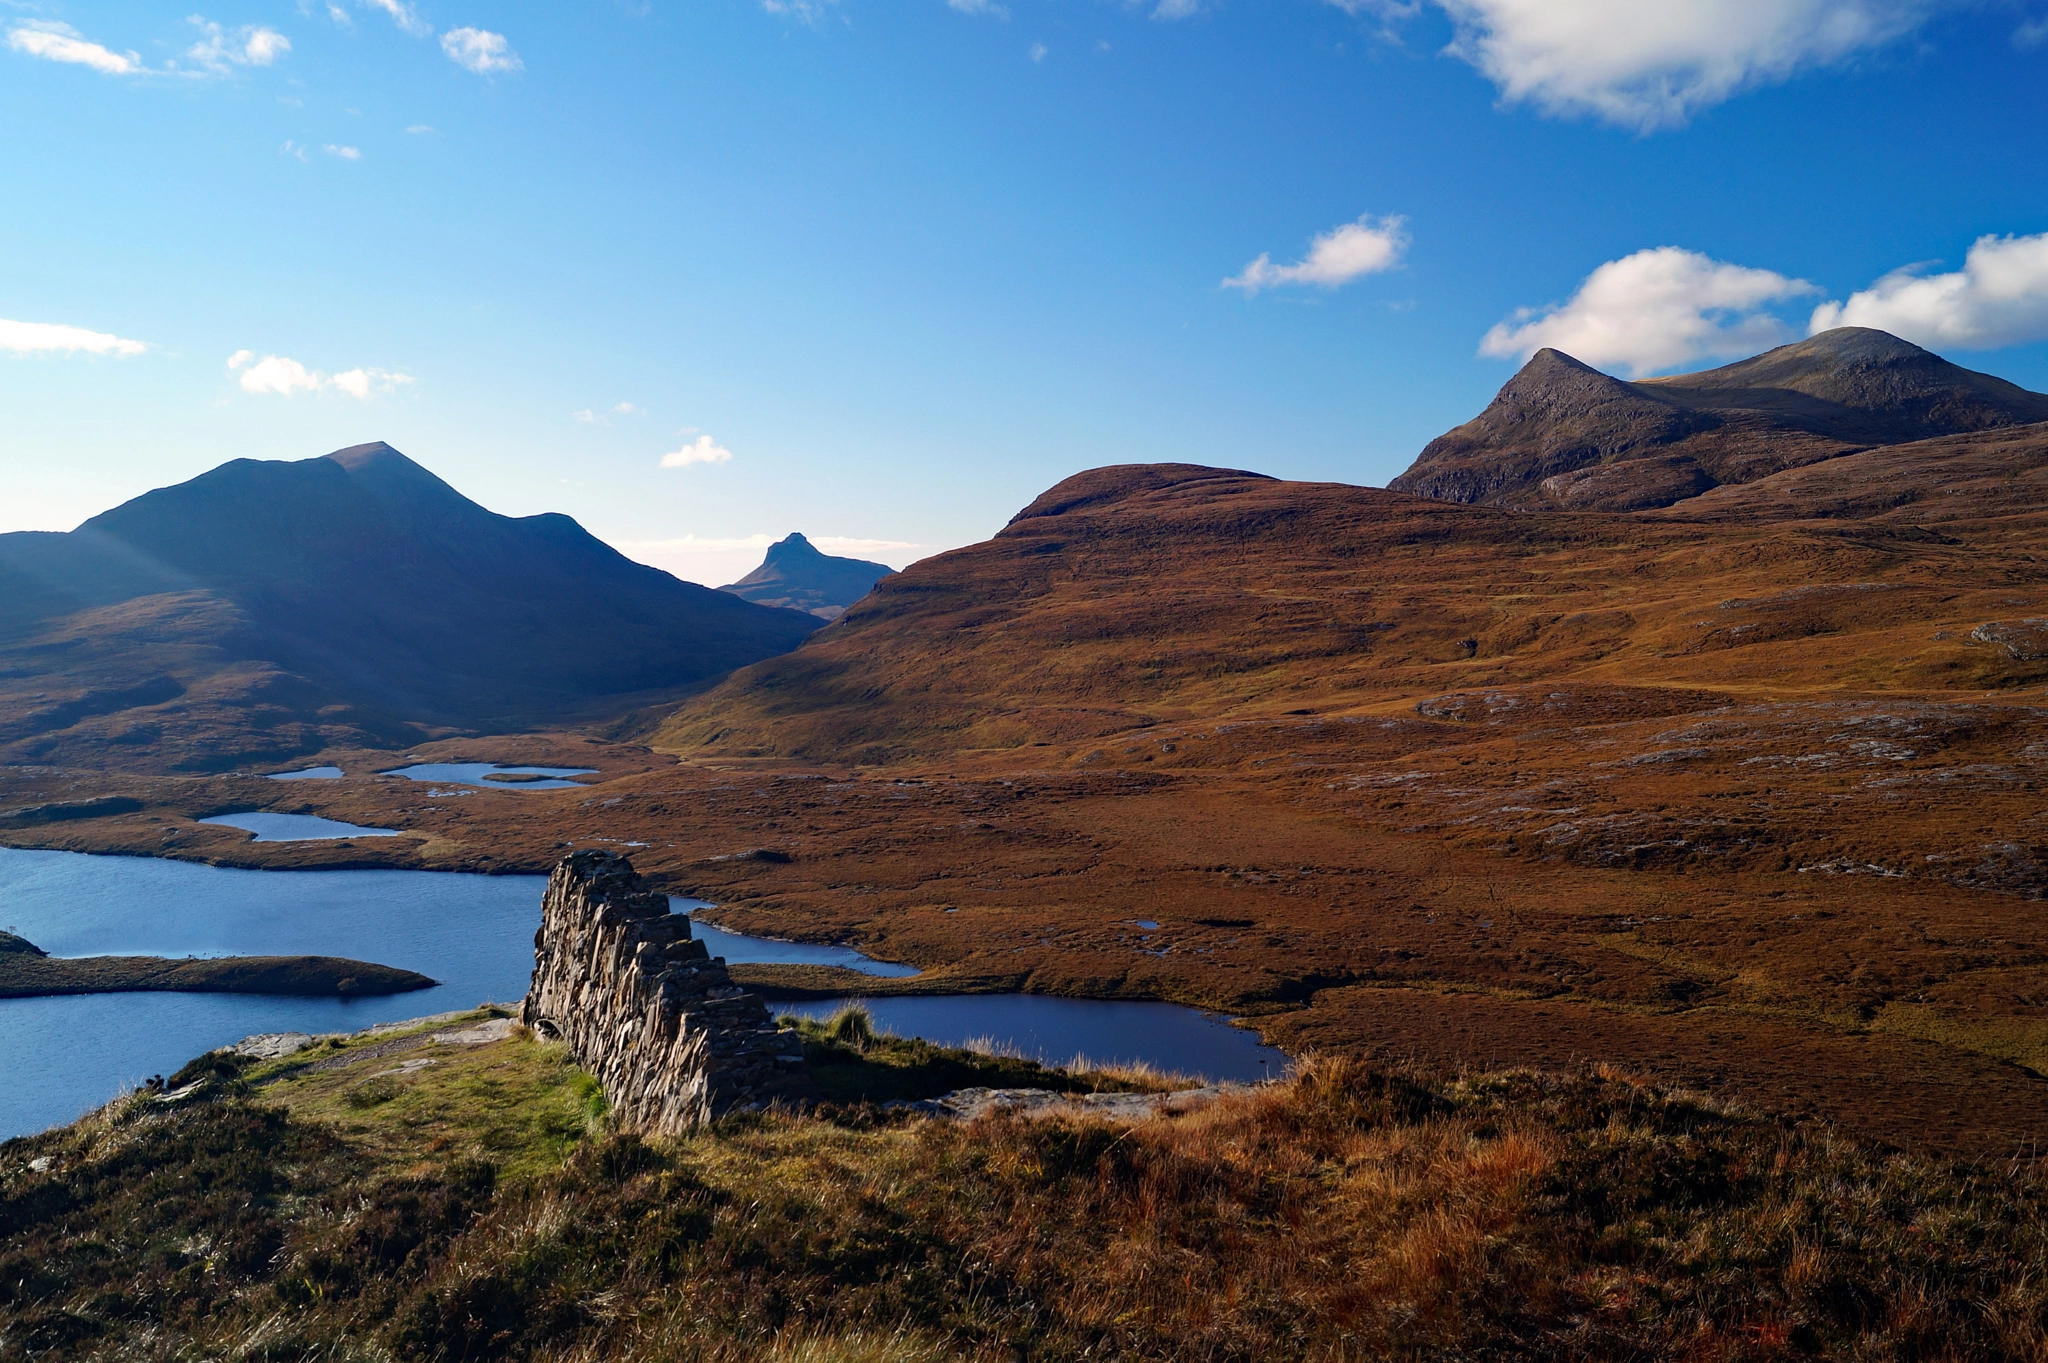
{"x": 1561, "y": 435}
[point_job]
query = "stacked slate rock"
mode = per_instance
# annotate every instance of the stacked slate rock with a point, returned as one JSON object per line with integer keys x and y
{"x": 646, "y": 1010}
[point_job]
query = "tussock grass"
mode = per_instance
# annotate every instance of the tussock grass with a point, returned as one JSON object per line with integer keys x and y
{"x": 1348, "y": 1213}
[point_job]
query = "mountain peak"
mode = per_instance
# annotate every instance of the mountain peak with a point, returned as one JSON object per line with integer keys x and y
{"x": 797, "y": 576}
{"x": 790, "y": 551}
{"x": 1557, "y": 421}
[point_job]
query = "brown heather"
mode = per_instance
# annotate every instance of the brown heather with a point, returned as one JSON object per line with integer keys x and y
{"x": 1353, "y": 1212}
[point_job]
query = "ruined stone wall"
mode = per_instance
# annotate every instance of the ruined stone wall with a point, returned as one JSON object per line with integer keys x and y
{"x": 645, "y": 1009}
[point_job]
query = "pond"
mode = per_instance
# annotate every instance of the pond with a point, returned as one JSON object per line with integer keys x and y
{"x": 1057, "y": 1031}
{"x": 309, "y": 774}
{"x": 477, "y": 774}
{"x": 473, "y": 933}
{"x": 296, "y": 827}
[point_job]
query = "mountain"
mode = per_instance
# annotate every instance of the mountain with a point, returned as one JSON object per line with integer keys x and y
{"x": 796, "y": 576}
{"x": 270, "y": 608}
{"x": 1562, "y": 435}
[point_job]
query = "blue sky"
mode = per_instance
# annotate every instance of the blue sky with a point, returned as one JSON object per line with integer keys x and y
{"x": 883, "y": 270}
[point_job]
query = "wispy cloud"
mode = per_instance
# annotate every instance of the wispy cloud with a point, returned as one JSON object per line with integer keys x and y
{"x": 57, "y": 42}
{"x": 1655, "y": 310}
{"x": 591, "y": 417}
{"x": 702, "y": 450}
{"x": 345, "y": 153}
{"x": 1337, "y": 257}
{"x": 810, "y": 12}
{"x": 2033, "y": 33}
{"x": 218, "y": 49}
{"x": 402, "y": 14}
{"x": 1998, "y": 298}
{"x": 481, "y": 51}
{"x": 988, "y": 7}
{"x": 1038, "y": 51}
{"x": 418, "y": 129}
{"x": 1177, "y": 9}
{"x": 286, "y": 377}
{"x": 30, "y": 338}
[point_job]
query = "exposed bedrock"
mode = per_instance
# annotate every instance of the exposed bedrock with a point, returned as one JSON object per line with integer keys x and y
{"x": 646, "y": 1010}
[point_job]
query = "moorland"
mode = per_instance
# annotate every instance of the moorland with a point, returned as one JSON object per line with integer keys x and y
{"x": 1651, "y": 882}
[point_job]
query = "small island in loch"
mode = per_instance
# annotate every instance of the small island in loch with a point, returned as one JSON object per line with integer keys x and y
{"x": 27, "y": 971}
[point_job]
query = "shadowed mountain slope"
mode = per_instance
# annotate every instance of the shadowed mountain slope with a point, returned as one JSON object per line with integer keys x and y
{"x": 1561, "y": 435}
{"x": 269, "y": 608}
{"x": 796, "y": 576}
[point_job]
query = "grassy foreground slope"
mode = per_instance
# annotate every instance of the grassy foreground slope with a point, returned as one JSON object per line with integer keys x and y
{"x": 479, "y": 1208}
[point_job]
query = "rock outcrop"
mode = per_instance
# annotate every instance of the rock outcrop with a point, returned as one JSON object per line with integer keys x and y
{"x": 647, "y": 1010}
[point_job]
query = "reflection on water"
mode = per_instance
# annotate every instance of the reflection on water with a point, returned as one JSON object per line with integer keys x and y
{"x": 308, "y": 774}
{"x": 296, "y": 827}
{"x": 473, "y": 774}
{"x": 1054, "y": 1031}
{"x": 742, "y": 950}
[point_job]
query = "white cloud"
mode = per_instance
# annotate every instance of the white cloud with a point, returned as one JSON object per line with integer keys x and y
{"x": 988, "y": 7}
{"x": 1998, "y": 298}
{"x": 1648, "y": 66}
{"x": 62, "y": 43}
{"x": 345, "y": 153}
{"x": 402, "y": 14}
{"x": 702, "y": 450}
{"x": 1654, "y": 310}
{"x": 28, "y": 338}
{"x": 1336, "y": 257}
{"x": 481, "y": 51}
{"x": 2033, "y": 33}
{"x": 218, "y": 49}
{"x": 586, "y": 417}
{"x": 291, "y": 148}
{"x": 627, "y": 409}
{"x": 287, "y": 377}
{"x": 1038, "y": 51}
{"x": 419, "y": 128}
{"x": 1177, "y": 9}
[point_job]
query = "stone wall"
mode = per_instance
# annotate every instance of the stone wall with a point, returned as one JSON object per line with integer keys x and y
{"x": 646, "y": 1010}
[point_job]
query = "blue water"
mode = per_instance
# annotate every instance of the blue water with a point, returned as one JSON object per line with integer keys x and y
{"x": 308, "y": 774}
{"x": 1057, "y": 1031}
{"x": 61, "y": 1057}
{"x": 738, "y": 950}
{"x": 296, "y": 827}
{"x": 472, "y": 774}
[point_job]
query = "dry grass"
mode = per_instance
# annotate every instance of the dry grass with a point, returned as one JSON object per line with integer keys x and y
{"x": 1349, "y": 1213}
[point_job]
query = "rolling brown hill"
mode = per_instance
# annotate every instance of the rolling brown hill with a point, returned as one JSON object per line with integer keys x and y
{"x": 1561, "y": 435}
{"x": 1745, "y": 791}
{"x": 266, "y": 610}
